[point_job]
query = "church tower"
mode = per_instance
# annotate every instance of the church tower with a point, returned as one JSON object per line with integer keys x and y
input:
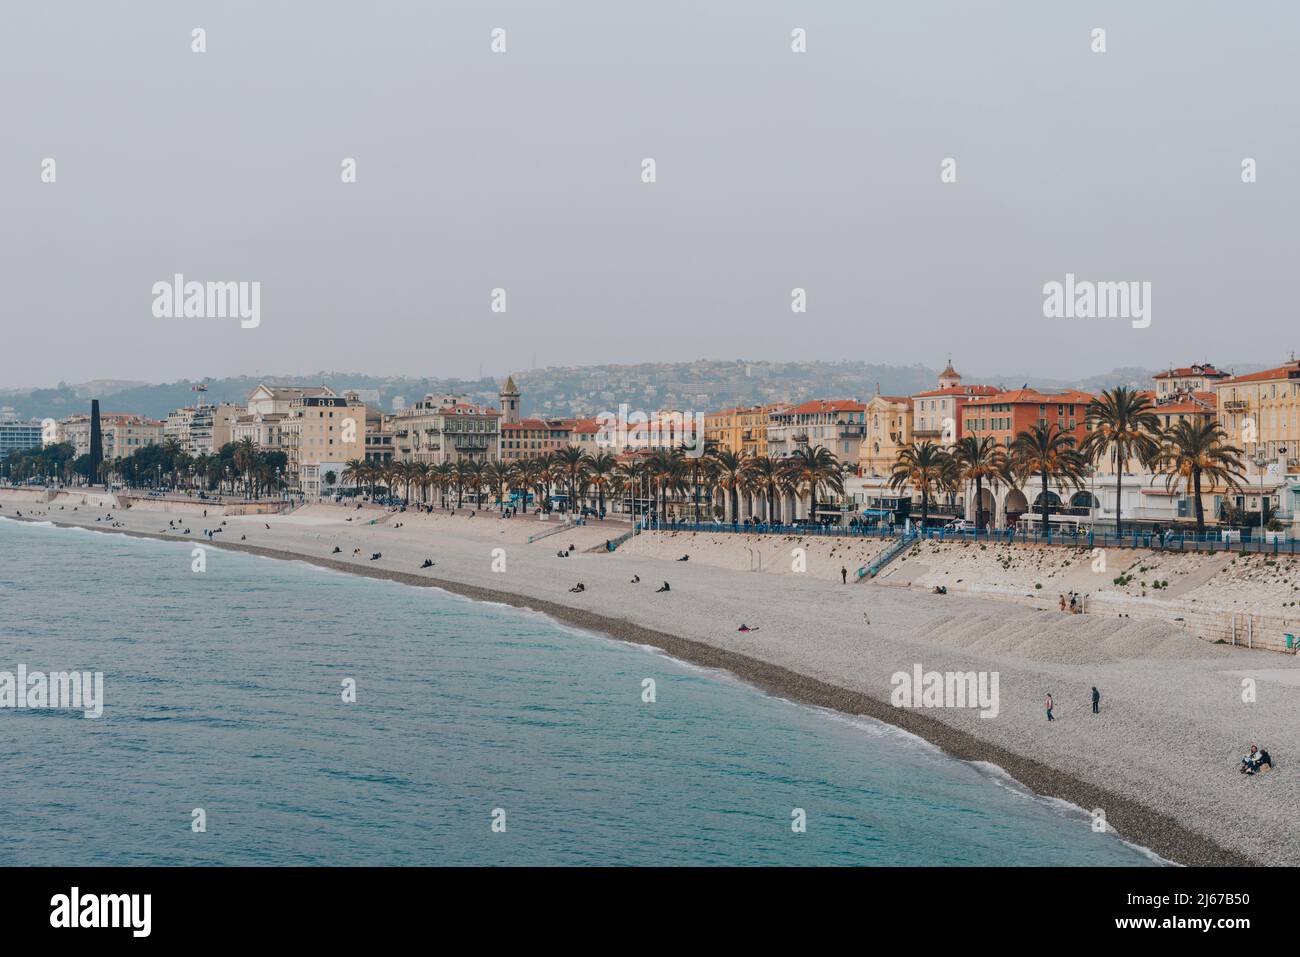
{"x": 948, "y": 378}
{"x": 509, "y": 402}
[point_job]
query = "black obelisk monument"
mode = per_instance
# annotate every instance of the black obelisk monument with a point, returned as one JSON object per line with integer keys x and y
{"x": 96, "y": 442}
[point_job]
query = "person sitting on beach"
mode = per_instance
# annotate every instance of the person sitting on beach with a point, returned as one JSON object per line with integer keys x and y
{"x": 336, "y": 550}
{"x": 375, "y": 556}
{"x": 940, "y": 590}
{"x": 684, "y": 558}
{"x": 636, "y": 580}
{"x": 1265, "y": 760}
{"x": 664, "y": 588}
{"x": 1062, "y": 597}
{"x": 428, "y": 563}
{"x": 744, "y": 627}
{"x": 1250, "y": 762}
{"x": 243, "y": 538}
{"x": 578, "y": 587}
{"x": 356, "y": 551}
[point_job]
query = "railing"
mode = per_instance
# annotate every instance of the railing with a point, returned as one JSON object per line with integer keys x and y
{"x": 1172, "y": 542}
{"x": 890, "y": 553}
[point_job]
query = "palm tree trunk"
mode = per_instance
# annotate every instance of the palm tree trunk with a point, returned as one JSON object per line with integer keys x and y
{"x": 1200, "y": 512}
{"x": 1119, "y": 490}
{"x": 979, "y": 501}
{"x": 1044, "y": 501}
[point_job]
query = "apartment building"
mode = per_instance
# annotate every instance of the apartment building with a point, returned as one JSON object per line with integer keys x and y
{"x": 837, "y": 425}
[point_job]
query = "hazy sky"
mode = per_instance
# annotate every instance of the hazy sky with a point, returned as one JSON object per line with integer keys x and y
{"x": 522, "y": 170}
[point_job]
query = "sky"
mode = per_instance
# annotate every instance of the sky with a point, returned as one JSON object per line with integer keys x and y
{"x": 522, "y": 170}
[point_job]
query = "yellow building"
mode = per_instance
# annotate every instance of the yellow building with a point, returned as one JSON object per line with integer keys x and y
{"x": 888, "y": 429}
{"x": 1261, "y": 414}
{"x": 321, "y": 435}
{"x": 742, "y": 430}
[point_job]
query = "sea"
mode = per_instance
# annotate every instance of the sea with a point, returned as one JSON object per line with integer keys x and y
{"x": 265, "y": 712}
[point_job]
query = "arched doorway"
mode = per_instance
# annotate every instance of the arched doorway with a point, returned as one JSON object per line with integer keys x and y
{"x": 1015, "y": 505}
{"x": 986, "y": 508}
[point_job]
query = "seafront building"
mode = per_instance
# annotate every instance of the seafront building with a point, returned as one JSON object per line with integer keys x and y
{"x": 741, "y": 430}
{"x": 268, "y": 411}
{"x": 835, "y": 424}
{"x": 446, "y": 428}
{"x": 888, "y": 422}
{"x": 1260, "y": 412}
{"x": 1004, "y": 415}
{"x": 937, "y": 413}
{"x": 123, "y": 433}
{"x": 17, "y": 435}
{"x": 320, "y": 436}
{"x": 1180, "y": 381}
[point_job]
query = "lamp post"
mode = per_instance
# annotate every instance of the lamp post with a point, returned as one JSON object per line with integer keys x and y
{"x": 1261, "y": 463}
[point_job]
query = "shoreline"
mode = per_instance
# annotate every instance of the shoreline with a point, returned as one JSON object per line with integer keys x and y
{"x": 1131, "y": 820}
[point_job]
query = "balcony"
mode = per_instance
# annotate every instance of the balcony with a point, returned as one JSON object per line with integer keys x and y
{"x": 1236, "y": 405}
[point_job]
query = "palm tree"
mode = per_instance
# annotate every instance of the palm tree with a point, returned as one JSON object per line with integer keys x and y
{"x": 633, "y": 476}
{"x": 665, "y": 469}
{"x": 1122, "y": 423}
{"x": 442, "y": 477}
{"x": 729, "y": 473}
{"x": 1192, "y": 451}
{"x": 767, "y": 476}
{"x": 921, "y": 466}
{"x": 354, "y": 471}
{"x": 245, "y": 458}
{"x": 813, "y": 467}
{"x": 419, "y": 475}
{"x": 699, "y": 467}
{"x": 497, "y": 474}
{"x": 1048, "y": 452}
{"x": 572, "y": 460}
{"x": 519, "y": 480}
{"x": 601, "y": 468}
{"x": 979, "y": 459}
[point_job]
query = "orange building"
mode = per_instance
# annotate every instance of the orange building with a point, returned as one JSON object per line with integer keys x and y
{"x": 1006, "y": 414}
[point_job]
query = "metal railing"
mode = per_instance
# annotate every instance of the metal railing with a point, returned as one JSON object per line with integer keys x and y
{"x": 1210, "y": 542}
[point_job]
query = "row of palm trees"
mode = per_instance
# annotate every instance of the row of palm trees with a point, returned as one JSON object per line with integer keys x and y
{"x": 706, "y": 482}
{"x": 1122, "y": 426}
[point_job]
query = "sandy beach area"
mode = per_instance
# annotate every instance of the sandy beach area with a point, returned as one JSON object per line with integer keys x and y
{"x": 1160, "y": 760}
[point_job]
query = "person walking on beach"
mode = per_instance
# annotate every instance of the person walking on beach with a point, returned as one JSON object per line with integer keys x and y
{"x": 844, "y": 575}
{"x": 1096, "y": 700}
{"x": 1048, "y": 704}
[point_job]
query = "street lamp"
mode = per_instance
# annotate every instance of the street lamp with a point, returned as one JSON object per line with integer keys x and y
{"x": 1261, "y": 463}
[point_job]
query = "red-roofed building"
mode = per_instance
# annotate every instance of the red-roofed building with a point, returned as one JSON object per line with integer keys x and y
{"x": 937, "y": 413}
{"x": 446, "y": 428}
{"x": 1185, "y": 379}
{"x": 1261, "y": 414}
{"x": 1004, "y": 415}
{"x": 836, "y": 424}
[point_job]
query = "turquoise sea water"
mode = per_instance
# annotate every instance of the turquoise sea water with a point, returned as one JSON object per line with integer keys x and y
{"x": 224, "y": 692}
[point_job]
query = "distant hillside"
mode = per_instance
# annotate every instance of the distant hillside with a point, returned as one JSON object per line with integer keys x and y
{"x": 703, "y": 385}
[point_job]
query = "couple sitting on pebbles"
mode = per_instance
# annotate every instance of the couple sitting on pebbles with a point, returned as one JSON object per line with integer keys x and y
{"x": 1256, "y": 761}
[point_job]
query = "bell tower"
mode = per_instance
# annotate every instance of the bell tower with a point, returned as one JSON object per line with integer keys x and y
{"x": 510, "y": 402}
